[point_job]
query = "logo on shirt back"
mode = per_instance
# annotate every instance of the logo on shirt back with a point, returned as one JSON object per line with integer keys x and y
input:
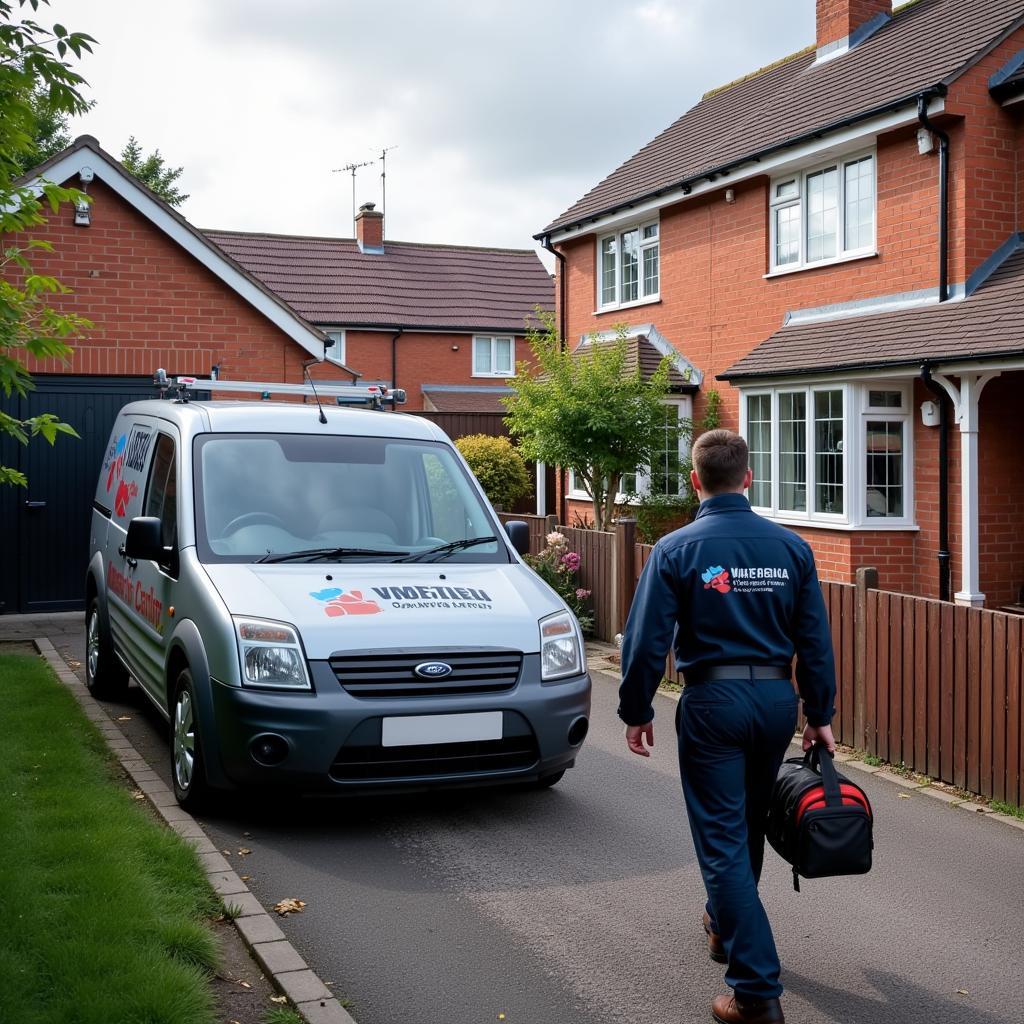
{"x": 715, "y": 577}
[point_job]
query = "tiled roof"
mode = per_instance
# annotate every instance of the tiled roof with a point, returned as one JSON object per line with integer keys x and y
{"x": 989, "y": 323}
{"x": 643, "y": 352}
{"x": 331, "y": 283}
{"x": 925, "y": 43}
{"x": 466, "y": 399}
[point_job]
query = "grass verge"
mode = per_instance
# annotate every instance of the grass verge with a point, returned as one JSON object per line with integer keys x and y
{"x": 1002, "y": 807}
{"x": 103, "y": 909}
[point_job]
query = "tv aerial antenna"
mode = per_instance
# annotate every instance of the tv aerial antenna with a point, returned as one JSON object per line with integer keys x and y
{"x": 352, "y": 168}
{"x": 383, "y": 173}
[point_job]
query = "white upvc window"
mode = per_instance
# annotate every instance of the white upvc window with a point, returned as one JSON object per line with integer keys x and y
{"x": 629, "y": 266}
{"x": 494, "y": 357}
{"x": 831, "y": 454}
{"x": 336, "y": 353}
{"x": 824, "y": 214}
{"x": 665, "y": 473}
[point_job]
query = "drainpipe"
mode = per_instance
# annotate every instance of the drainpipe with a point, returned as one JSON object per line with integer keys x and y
{"x": 922, "y": 116}
{"x": 394, "y": 360}
{"x": 562, "y": 312}
{"x": 943, "y": 556}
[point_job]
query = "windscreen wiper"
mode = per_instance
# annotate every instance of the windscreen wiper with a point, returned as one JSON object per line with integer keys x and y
{"x": 447, "y": 549}
{"x": 318, "y": 554}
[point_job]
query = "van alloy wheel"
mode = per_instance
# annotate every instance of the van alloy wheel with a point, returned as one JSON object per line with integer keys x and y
{"x": 92, "y": 643}
{"x": 184, "y": 740}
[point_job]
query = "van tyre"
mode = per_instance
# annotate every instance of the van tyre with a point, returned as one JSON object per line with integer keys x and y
{"x": 188, "y": 767}
{"x": 105, "y": 676}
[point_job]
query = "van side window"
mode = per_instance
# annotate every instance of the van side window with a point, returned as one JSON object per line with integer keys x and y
{"x": 162, "y": 489}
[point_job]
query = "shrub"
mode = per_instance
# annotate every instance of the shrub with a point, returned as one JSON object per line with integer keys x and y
{"x": 658, "y": 514}
{"x": 557, "y": 566}
{"x": 498, "y": 466}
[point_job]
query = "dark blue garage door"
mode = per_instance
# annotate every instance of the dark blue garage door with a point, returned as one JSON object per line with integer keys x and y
{"x": 44, "y": 528}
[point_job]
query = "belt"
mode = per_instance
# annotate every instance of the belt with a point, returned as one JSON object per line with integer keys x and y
{"x": 751, "y": 672}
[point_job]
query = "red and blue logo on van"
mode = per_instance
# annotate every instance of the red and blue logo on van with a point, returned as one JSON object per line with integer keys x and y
{"x": 339, "y": 602}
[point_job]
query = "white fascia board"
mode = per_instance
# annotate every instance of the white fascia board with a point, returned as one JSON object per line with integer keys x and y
{"x": 996, "y": 363}
{"x": 849, "y": 376}
{"x": 274, "y": 310}
{"x": 858, "y": 135}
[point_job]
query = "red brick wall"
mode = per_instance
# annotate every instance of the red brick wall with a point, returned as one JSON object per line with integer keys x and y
{"x": 838, "y": 18}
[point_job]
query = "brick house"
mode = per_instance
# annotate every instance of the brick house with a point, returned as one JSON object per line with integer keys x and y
{"x": 162, "y": 293}
{"x": 834, "y": 243}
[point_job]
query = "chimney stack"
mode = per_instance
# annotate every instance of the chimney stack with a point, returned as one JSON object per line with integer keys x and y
{"x": 370, "y": 229}
{"x": 840, "y": 20}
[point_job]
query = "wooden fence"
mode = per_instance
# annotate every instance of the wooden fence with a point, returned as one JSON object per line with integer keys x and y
{"x": 463, "y": 424}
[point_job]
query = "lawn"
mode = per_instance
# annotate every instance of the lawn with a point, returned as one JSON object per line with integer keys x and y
{"x": 102, "y": 909}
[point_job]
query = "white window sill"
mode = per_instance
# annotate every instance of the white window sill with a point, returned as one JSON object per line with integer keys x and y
{"x": 579, "y": 496}
{"x": 836, "y": 261}
{"x": 867, "y": 526}
{"x": 650, "y": 300}
{"x": 494, "y": 376}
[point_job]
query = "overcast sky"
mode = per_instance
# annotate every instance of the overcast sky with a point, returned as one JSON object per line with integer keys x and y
{"x": 502, "y": 112}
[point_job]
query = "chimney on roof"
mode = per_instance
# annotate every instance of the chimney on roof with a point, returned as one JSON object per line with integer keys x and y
{"x": 370, "y": 229}
{"x": 841, "y": 21}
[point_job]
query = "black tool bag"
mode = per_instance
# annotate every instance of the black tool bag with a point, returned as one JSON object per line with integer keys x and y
{"x": 819, "y": 821}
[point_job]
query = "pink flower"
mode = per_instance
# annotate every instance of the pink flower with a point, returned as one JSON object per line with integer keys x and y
{"x": 582, "y": 595}
{"x": 571, "y": 561}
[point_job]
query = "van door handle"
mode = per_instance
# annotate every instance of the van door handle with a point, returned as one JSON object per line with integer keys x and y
{"x": 131, "y": 561}
{"x": 35, "y": 504}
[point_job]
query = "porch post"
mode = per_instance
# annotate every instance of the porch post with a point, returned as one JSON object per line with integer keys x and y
{"x": 541, "y": 489}
{"x": 965, "y": 400}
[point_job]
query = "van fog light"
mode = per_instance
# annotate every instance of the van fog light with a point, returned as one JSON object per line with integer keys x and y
{"x": 269, "y": 750}
{"x": 578, "y": 731}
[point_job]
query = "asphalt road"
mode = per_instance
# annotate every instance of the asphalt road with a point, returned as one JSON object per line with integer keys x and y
{"x": 581, "y": 905}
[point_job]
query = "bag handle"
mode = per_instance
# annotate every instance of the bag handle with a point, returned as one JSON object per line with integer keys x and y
{"x": 818, "y": 758}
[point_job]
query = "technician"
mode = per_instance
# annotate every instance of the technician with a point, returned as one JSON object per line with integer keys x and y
{"x": 741, "y": 596}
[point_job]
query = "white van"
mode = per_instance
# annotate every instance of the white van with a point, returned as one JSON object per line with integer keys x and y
{"x": 324, "y": 600}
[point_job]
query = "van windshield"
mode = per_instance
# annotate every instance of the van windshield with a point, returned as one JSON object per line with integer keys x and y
{"x": 316, "y": 498}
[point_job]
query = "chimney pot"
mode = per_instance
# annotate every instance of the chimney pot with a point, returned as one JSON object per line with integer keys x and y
{"x": 838, "y": 20}
{"x": 370, "y": 229}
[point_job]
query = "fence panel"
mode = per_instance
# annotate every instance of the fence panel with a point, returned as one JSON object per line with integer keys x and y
{"x": 464, "y": 424}
{"x": 596, "y": 549}
{"x": 1014, "y": 711}
{"x": 540, "y": 527}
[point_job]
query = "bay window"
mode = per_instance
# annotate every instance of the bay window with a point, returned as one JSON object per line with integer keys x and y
{"x": 629, "y": 266}
{"x": 823, "y": 214}
{"x": 830, "y": 454}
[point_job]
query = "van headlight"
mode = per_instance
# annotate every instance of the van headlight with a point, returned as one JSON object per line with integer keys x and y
{"x": 271, "y": 655}
{"x": 560, "y": 649}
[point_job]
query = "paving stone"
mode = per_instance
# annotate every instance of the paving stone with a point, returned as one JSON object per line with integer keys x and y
{"x": 145, "y": 775}
{"x": 1008, "y": 819}
{"x": 302, "y": 986}
{"x": 226, "y": 883}
{"x": 247, "y": 904}
{"x": 259, "y": 928}
{"x": 201, "y": 844}
{"x": 900, "y": 780}
{"x": 189, "y": 829}
{"x": 214, "y": 861}
{"x": 132, "y": 762}
{"x": 324, "y": 1011}
{"x": 278, "y": 956}
{"x": 941, "y": 794}
{"x": 165, "y": 799}
{"x": 975, "y": 808}
{"x": 861, "y": 766}
{"x": 169, "y": 811}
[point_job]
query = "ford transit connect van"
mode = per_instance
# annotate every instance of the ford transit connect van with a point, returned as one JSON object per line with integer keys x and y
{"x": 323, "y": 600}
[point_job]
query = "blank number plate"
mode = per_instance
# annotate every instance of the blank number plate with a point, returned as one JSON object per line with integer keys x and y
{"x": 418, "y": 730}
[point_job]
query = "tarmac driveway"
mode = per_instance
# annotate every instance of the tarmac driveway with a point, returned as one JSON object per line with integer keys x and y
{"x": 582, "y": 904}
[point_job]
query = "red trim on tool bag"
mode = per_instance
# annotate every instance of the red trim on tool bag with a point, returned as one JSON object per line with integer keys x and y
{"x": 814, "y": 799}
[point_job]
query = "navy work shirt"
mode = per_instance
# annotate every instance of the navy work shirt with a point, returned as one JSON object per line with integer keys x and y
{"x": 735, "y": 589}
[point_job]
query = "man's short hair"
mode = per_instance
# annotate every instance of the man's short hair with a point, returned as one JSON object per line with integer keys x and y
{"x": 720, "y": 458}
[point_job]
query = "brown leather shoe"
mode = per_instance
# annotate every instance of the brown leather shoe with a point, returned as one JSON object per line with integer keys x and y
{"x": 737, "y": 1010}
{"x": 715, "y": 948}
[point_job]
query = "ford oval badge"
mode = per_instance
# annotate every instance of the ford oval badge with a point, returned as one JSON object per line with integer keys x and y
{"x": 433, "y": 670}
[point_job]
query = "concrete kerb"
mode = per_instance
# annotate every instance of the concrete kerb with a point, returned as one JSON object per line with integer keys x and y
{"x": 281, "y": 962}
{"x": 596, "y": 663}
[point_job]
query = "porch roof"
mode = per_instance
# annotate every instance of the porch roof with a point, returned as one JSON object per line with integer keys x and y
{"x": 988, "y": 324}
{"x": 646, "y": 348}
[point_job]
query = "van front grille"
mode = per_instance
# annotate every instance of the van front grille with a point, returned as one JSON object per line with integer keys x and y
{"x": 392, "y": 674}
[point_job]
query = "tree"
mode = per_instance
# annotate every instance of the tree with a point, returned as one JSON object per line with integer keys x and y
{"x": 151, "y": 171}
{"x": 587, "y": 412}
{"x": 32, "y": 65}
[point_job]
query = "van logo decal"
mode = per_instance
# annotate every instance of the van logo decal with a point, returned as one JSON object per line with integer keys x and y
{"x": 114, "y": 460}
{"x": 337, "y": 602}
{"x": 122, "y": 499}
{"x": 433, "y": 670}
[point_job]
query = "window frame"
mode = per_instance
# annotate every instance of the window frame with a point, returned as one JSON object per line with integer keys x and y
{"x": 336, "y": 353}
{"x": 493, "y": 339}
{"x": 839, "y": 164}
{"x": 643, "y": 246}
{"x": 857, "y": 412}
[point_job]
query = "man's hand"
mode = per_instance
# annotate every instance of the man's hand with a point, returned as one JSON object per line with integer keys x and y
{"x": 635, "y": 736}
{"x": 819, "y": 734}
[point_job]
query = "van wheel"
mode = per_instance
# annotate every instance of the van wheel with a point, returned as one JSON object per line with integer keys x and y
{"x": 105, "y": 676}
{"x": 188, "y": 769}
{"x": 547, "y": 781}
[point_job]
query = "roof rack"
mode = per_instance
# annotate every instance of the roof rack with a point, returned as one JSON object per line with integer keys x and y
{"x": 374, "y": 396}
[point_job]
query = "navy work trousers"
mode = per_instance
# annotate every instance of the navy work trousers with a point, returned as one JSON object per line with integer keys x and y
{"x": 733, "y": 736}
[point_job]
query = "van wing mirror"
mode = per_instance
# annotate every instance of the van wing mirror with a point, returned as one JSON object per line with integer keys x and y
{"x": 145, "y": 539}
{"x": 519, "y": 533}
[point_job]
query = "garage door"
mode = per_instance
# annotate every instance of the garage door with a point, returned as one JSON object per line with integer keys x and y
{"x": 44, "y": 528}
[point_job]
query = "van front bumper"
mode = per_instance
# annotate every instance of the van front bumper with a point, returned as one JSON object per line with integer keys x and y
{"x": 331, "y": 740}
